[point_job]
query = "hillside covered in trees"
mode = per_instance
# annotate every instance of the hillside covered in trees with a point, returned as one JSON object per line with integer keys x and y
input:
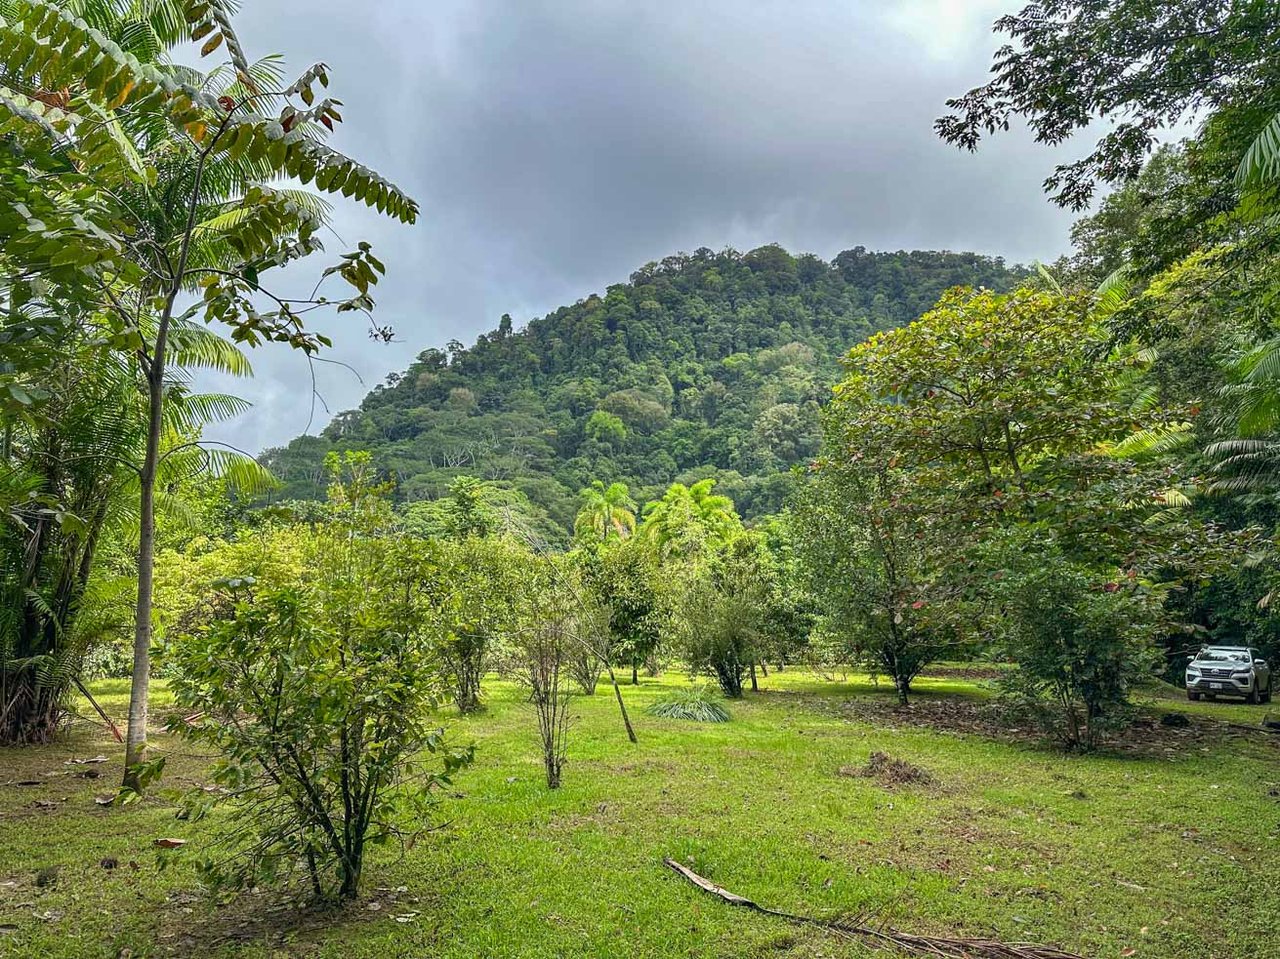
{"x": 704, "y": 364}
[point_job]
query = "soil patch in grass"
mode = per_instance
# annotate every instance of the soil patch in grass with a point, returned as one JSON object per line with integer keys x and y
{"x": 890, "y": 771}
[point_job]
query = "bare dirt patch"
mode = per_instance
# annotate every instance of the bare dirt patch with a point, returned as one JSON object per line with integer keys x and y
{"x": 890, "y": 771}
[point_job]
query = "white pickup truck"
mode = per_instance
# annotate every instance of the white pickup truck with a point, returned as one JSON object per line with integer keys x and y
{"x": 1229, "y": 671}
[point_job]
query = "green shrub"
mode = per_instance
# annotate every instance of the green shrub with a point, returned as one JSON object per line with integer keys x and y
{"x": 315, "y": 690}
{"x": 699, "y": 705}
{"x": 720, "y": 606}
{"x": 1080, "y": 643}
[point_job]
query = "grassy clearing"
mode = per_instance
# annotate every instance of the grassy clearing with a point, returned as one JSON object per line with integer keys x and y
{"x": 1171, "y": 853}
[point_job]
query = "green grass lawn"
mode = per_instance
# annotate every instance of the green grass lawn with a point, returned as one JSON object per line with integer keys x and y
{"x": 1170, "y": 852}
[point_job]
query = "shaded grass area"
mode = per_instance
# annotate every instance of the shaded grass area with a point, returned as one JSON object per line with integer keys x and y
{"x": 1171, "y": 854}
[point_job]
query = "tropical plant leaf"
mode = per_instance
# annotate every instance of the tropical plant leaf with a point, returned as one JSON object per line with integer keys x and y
{"x": 1261, "y": 161}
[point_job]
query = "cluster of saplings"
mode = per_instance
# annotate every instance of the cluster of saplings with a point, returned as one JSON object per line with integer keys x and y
{"x": 313, "y": 653}
{"x": 991, "y": 482}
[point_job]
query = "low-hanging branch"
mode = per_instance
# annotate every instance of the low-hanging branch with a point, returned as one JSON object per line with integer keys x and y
{"x": 938, "y": 946}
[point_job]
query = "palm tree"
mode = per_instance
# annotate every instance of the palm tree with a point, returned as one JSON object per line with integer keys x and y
{"x": 689, "y": 518}
{"x": 153, "y": 177}
{"x": 1249, "y": 461}
{"x": 69, "y": 493}
{"x": 606, "y": 511}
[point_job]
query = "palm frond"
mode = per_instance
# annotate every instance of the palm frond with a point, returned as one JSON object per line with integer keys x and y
{"x": 1261, "y": 162}
{"x": 196, "y": 347}
{"x": 1151, "y": 442}
{"x": 1114, "y": 292}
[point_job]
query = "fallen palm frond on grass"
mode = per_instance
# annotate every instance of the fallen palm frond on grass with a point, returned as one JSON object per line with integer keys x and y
{"x": 943, "y": 947}
{"x": 698, "y": 705}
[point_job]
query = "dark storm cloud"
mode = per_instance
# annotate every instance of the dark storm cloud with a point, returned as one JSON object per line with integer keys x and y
{"x": 556, "y": 146}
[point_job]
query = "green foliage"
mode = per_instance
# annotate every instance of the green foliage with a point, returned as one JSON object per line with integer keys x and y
{"x": 1145, "y": 66}
{"x": 603, "y": 427}
{"x": 1080, "y": 644}
{"x": 992, "y": 413}
{"x": 621, "y": 579}
{"x": 697, "y": 704}
{"x": 488, "y": 592}
{"x": 689, "y": 520}
{"x": 472, "y": 507}
{"x": 719, "y": 609}
{"x": 879, "y": 556}
{"x": 315, "y": 689}
{"x": 706, "y": 365}
{"x": 135, "y": 200}
{"x": 606, "y": 513}
{"x": 557, "y": 628}
{"x": 989, "y": 384}
{"x": 69, "y": 494}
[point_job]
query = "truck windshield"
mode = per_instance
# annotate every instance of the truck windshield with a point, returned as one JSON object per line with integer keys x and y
{"x": 1222, "y": 656}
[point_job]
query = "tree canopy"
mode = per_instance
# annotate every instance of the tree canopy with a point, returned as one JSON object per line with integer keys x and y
{"x": 704, "y": 365}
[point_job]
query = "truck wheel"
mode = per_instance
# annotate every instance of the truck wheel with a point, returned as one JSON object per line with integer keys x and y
{"x": 1193, "y": 695}
{"x": 1252, "y": 698}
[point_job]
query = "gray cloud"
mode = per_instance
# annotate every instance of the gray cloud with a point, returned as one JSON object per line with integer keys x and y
{"x": 556, "y": 146}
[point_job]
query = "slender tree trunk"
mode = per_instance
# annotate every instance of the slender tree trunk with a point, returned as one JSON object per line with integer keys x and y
{"x": 136, "y": 740}
{"x": 635, "y": 674}
{"x": 755, "y": 687}
{"x": 764, "y": 669}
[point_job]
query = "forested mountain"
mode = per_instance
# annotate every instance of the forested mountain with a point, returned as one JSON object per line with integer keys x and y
{"x": 704, "y": 364}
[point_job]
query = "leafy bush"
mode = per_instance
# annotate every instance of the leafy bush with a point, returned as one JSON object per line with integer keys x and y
{"x": 619, "y": 578}
{"x": 1079, "y": 643}
{"x": 486, "y": 579}
{"x": 698, "y": 704}
{"x": 721, "y": 608}
{"x": 316, "y": 692}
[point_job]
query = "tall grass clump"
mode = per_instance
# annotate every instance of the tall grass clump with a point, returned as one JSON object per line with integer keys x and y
{"x": 699, "y": 704}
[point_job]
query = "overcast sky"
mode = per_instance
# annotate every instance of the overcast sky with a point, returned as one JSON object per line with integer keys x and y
{"x": 556, "y": 146}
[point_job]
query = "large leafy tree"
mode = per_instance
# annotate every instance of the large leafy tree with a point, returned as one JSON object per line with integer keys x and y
{"x": 988, "y": 383}
{"x": 137, "y": 187}
{"x": 1145, "y": 66}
